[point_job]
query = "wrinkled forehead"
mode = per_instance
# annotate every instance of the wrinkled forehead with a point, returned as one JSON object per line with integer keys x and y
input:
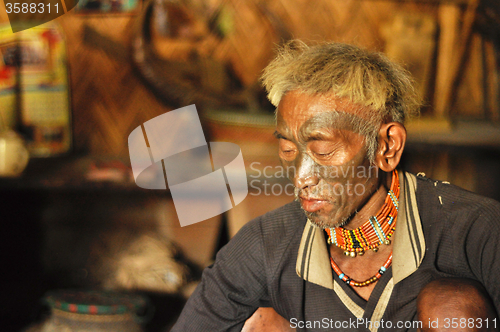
{"x": 300, "y": 115}
{"x": 331, "y": 120}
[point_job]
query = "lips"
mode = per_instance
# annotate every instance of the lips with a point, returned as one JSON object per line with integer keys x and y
{"x": 312, "y": 204}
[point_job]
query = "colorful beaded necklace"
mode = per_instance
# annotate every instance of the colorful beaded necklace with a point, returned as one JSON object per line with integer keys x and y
{"x": 368, "y": 281}
{"x": 378, "y": 229}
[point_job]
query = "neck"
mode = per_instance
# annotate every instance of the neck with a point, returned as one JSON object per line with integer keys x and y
{"x": 373, "y": 204}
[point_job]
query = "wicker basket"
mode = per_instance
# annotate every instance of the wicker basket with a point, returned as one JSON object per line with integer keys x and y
{"x": 91, "y": 311}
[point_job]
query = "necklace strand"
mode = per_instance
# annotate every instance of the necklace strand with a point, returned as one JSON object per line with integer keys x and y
{"x": 345, "y": 278}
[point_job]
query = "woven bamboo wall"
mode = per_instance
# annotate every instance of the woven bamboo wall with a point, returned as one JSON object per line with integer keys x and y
{"x": 109, "y": 100}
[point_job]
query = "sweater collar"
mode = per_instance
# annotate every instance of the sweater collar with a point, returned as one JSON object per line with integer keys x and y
{"x": 313, "y": 262}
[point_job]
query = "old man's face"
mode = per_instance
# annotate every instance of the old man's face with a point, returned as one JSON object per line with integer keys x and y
{"x": 331, "y": 173}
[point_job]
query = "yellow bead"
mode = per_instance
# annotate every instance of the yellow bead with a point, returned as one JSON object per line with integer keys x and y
{"x": 352, "y": 254}
{"x": 361, "y": 253}
{"x": 387, "y": 241}
{"x": 346, "y": 253}
{"x": 375, "y": 249}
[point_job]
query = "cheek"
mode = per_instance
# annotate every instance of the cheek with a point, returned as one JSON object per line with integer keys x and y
{"x": 358, "y": 170}
{"x": 288, "y": 169}
{"x": 347, "y": 184}
{"x": 335, "y": 175}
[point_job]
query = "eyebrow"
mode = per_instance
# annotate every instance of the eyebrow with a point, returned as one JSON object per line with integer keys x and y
{"x": 328, "y": 120}
{"x": 279, "y": 135}
{"x": 316, "y": 136}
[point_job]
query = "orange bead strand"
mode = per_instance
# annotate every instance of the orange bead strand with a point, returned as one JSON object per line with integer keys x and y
{"x": 345, "y": 278}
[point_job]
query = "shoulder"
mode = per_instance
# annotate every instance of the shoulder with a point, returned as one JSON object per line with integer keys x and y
{"x": 274, "y": 235}
{"x": 456, "y": 203}
{"x": 282, "y": 221}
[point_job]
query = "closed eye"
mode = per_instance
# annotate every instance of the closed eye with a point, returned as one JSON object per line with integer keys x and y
{"x": 287, "y": 149}
{"x": 323, "y": 154}
{"x": 323, "y": 150}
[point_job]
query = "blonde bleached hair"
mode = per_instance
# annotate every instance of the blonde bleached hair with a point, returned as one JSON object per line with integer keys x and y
{"x": 363, "y": 77}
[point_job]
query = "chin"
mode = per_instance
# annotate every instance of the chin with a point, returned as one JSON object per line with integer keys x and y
{"x": 325, "y": 221}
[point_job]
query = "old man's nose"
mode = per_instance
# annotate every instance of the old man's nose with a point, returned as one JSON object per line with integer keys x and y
{"x": 303, "y": 182}
{"x": 306, "y": 173}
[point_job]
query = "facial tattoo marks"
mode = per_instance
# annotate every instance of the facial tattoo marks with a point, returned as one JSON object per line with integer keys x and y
{"x": 326, "y": 161}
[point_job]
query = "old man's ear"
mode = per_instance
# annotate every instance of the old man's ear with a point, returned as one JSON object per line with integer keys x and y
{"x": 391, "y": 143}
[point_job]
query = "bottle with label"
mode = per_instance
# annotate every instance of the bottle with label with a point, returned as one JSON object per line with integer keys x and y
{"x": 8, "y": 78}
{"x": 44, "y": 103}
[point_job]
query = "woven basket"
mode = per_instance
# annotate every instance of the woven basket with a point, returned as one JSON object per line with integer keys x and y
{"x": 79, "y": 311}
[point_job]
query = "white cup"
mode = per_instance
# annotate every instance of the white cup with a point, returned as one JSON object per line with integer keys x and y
{"x": 14, "y": 155}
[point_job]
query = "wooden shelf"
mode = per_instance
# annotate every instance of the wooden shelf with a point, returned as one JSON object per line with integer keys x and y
{"x": 460, "y": 134}
{"x": 74, "y": 173}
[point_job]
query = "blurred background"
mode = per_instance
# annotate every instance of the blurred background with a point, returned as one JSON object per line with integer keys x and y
{"x": 73, "y": 89}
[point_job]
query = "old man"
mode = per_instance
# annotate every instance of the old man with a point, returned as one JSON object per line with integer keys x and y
{"x": 366, "y": 246}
